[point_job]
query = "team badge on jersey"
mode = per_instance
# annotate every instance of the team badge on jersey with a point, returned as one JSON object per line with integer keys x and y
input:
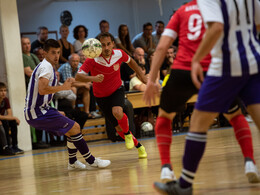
{"x": 116, "y": 67}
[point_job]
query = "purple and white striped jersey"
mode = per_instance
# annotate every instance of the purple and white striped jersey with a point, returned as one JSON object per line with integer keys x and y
{"x": 35, "y": 104}
{"x": 237, "y": 52}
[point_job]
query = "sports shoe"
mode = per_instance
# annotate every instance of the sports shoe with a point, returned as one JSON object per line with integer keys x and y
{"x": 141, "y": 152}
{"x": 8, "y": 151}
{"x": 77, "y": 165}
{"x": 172, "y": 187}
{"x": 167, "y": 174}
{"x": 129, "y": 142}
{"x": 17, "y": 150}
{"x": 99, "y": 163}
{"x": 252, "y": 172}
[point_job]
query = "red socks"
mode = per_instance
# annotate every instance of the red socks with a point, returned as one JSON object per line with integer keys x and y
{"x": 125, "y": 127}
{"x": 163, "y": 131}
{"x": 124, "y": 123}
{"x": 243, "y": 135}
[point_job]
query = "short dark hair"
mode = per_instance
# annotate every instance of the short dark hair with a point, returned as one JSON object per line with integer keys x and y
{"x": 147, "y": 24}
{"x": 2, "y": 85}
{"x": 159, "y": 22}
{"x": 105, "y": 34}
{"x": 103, "y": 21}
{"x": 50, "y": 43}
{"x": 41, "y": 28}
{"x": 76, "y": 31}
{"x": 35, "y": 51}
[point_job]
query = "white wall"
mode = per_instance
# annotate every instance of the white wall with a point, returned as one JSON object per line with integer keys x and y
{"x": 134, "y": 13}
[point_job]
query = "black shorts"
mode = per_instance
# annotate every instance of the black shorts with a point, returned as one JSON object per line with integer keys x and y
{"x": 106, "y": 103}
{"x": 178, "y": 89}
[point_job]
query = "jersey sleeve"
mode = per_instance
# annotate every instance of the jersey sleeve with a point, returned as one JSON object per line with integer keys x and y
{"x": 126, "y": 58}
{"x": 46, "y": 71}
{"x": 172, "y": 28}
{"x": 257, "y": 12}
{"x": 86, "y": 67}
{"x": 210, "y": 11}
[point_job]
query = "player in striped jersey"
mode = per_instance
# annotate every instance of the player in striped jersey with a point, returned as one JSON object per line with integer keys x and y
{"x": 234, "y": 71}
{"x": 40, "y": 115}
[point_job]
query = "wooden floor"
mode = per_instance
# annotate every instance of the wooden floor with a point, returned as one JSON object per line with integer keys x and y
{"x": 45, "y": 171}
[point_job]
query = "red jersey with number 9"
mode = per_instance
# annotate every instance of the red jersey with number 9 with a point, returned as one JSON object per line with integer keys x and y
{"x": 187, "y": 24}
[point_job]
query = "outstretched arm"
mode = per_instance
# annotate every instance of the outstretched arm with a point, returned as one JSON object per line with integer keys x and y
{"x": 45, "y": 89}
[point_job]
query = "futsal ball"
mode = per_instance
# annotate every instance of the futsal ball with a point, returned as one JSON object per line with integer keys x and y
{"x": 146, "y": 126}
{"x": 91, "y": 48}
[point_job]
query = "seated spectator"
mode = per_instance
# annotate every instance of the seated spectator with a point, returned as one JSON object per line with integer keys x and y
{"x": 136, "y": 84}
{"x": 30, "y": 61}
{"x": 168, "y": 61}
{"x": 39, "y": 53}
{"x": 4, "y": 149}
{"x": 123, "y": 40}
{"x": 145, "y": 39}
{"x": 42, "y": 36}
{"x": 70, "y": 69}
{"x": 139, "y": 57}
{"x": 80, "y": 33}
{"x": 104, "y": 27}
{"x": 66, "y": 48}
{"x": 8, "y": 120}
{"x": 159, "y": 28}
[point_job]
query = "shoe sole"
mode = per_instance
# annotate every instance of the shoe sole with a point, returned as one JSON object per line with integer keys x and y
{"x": 142, "y": 157}
{"x": 159, "y": 190}
{"x": 165, "y": 180}
{"x": 252, "y": 177}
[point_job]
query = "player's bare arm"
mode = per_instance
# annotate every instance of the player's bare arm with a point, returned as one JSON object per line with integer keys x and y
{"x": 132, "y": 64}
{"x": 152, "y": 88}
{"x": 44, "y": 87}
{"x": 85, "y": 78}
{"x": 212, "y": 34}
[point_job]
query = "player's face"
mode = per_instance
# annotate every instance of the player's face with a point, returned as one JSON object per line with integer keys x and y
{"x": 43, "y": 35}
{"x": 53, "y": 55}
{"x": 64, "y": 32}
{"x": 107, "y": 46}
{"x": 3, "y": 92}
{"x": 26, "y": 45}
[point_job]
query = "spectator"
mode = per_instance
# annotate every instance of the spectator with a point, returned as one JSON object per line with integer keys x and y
{"x": 123, "y": 40}
{"x": 136, "y": 83}
{"x": 30, "y": 61}
{"x": 103, "y": 26}
{"x": 4, "y": 149}
{"x": 42, "y": 36}
{"x": 39, "y": 53}
{"x": 159, "y": 27}
{"x": 8, "y": 120}
{"x": 168, "y": 61}
{"x": 69, "y": 70}
{"x": 139, "y": 57}
{"x": 80, "y": 33}
{"x": 66, "y": 47}
{"x": 145, "y": 39}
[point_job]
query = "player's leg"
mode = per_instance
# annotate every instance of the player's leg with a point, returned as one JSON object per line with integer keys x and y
{"x": 210, "y": 102}
{"x": 178, "y": 89}
{"x": 244, "y": 138}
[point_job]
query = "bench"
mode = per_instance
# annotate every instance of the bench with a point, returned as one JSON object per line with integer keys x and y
{"x": 94, "y": 129}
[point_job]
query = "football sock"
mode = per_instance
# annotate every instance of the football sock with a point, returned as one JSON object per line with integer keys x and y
{"x": 163, "y": 133}
{"x": 82, "y": 146}
{"x": 194, "y": 149}
{"x": 243, "y": 135}
{"x": 123, "y": 123}
{"x": 72, "y": 150}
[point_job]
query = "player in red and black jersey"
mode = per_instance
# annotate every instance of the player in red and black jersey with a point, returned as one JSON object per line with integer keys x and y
{"x": 108, "y": 89}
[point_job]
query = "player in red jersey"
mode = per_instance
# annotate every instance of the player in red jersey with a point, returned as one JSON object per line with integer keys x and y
{"x": 108, "y": 89}
{"x": 187, "y": 24}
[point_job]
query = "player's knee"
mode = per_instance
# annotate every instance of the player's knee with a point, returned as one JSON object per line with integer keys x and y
{"x": 74, "y": 130}
{"x": 117, "y": 113}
